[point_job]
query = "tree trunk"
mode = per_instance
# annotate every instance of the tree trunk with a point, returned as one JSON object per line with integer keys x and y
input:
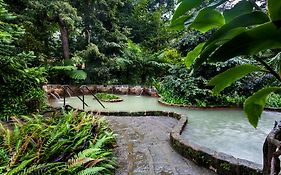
{"x": 87, "y": 34}
{"x": 271, "y": 151}
{"x": 64, "y": 38}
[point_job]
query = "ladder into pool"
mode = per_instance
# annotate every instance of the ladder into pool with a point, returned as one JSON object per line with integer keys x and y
{"x": 82, "y": 90}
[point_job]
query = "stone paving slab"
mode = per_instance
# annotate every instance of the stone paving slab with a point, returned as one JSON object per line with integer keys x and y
{"x": 144, "y": 147}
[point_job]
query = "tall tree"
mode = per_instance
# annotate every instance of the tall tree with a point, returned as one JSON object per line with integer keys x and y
{"x": 146, "y": 22}
{"x": 100, "y": 24}
{"x": 50, "y": 18}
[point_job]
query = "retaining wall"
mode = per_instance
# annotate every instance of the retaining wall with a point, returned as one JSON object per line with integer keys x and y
{"x": 116, "y": 89}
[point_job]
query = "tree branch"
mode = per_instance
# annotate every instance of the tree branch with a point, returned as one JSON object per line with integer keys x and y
{"x": 275, "y": 74}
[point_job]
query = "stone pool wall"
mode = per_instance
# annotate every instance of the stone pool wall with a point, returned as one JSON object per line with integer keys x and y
{"x": 54, "y": 90}
{"x": 220, "y": 163}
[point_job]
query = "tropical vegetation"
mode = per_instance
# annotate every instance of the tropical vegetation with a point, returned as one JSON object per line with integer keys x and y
{"x": 65, "y": 143}
{"x": 195, "y": 52}
{"x": 250, "y": 28}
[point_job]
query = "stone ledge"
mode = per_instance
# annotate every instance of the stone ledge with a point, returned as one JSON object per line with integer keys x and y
{"x": 115, "y": 89}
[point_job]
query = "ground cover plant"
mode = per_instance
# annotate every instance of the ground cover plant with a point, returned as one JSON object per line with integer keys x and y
{"x": 67, "y": 143}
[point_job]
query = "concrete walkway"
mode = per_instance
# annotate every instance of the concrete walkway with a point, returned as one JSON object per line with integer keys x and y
{"x": 144, "y": 148}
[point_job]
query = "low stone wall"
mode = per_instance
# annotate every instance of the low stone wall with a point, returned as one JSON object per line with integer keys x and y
{"x": 56, "y": 90}
{"x": 220, "y": 163}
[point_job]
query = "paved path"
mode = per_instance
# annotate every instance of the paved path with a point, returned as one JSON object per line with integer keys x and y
{"x": 144, "y": 148}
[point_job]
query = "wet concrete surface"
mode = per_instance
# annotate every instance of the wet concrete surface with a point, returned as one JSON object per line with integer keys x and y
{"x": 144, "y": 148}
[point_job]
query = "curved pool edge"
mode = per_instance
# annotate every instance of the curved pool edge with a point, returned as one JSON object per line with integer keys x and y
{"x": 221, "y": 163}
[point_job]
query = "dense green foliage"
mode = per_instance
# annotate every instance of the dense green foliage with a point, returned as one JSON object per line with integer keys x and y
{"x": 107, "y": 97}
{"x": 91, "y": 35}
{"x": 20, "y": 81}
{"x": 243, "y": 29}
{"x": 68, "y": 143}
{"x": 129, "y": 42}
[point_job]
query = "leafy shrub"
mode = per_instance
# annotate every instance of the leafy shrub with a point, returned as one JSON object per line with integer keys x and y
{"x": 183, "y": 87}
{"x": 19, "y": 78}
{"x": 71, "y": 143}
{"x": 137, "y": 66}
{"x": 171, "y": 56}
{"x": 18, "y": 83}
{"x": 274, "y": 100}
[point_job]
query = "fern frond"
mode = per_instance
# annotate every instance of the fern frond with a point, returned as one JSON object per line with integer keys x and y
{"x": 91, "y": 171}
{"x": 4, "y": 157}
{"x": 14, "y": 159}
{"x": 7, "y": 140}
{"x": 20, "y": 167}
{"x": 17, "y": 137}
{"x": 93, "y": 163}
{"x": 17, "y": 121}
{"x": 88, "y": 152}
{"x": 41, "y": 168}
{"x": 51, "y": 140}
{"x": 79, "y": 161}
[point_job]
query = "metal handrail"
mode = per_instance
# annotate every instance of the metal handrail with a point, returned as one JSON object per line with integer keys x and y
{"x": 65, "y": 89}
{"x": 82, "y": 89}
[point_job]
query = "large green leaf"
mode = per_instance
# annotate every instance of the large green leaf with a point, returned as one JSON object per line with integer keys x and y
{"x": 254, "y": 105}
{"x": 246, "y": 20}
{"x": 178, "y": 24}
{"x": 239, "y": 9}
{"x": 229, "y": 31}
{"x": 274, "y": 10}
{"x": 207, "y": 19}
{"x": 265, "y": 36}
{"x": 185, "y": 7}
{"x": 225, "y": 79}
{"x": 192, "y": 55}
